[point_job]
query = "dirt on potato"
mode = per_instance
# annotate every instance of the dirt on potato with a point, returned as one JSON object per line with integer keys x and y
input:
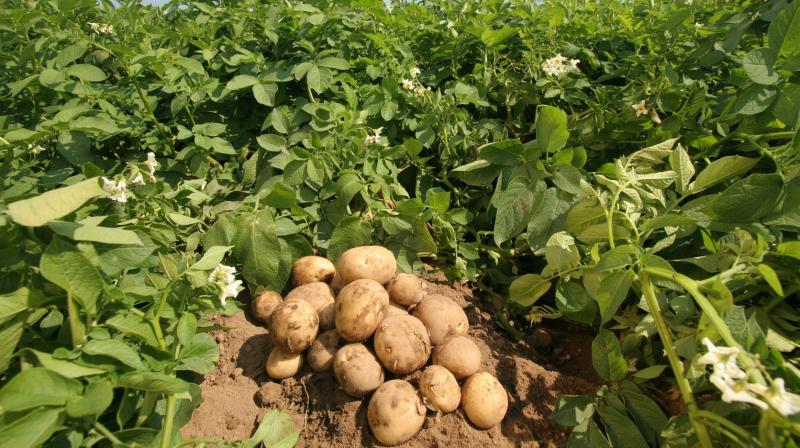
{"x": 551, "y": 362}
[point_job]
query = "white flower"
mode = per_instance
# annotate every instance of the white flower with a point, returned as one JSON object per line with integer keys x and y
{"x": 450, "y": 24}
{"x": 415, "y": 72}
{"x": 654, "y": 116}
{"x": 230, "y": 290}
{"x": 101, "y": 28}
{"x": 375, "y": 138}
{"x": 118, "y": 190}
{"x": 723, "y": 359}
{"x": 151, "y": 163}
{"x": 35, "y": 150}
{"x": 558, "y": 59}
{"x": 699, "y": 24}
{"x": 573, "y": 64}
{"x": 421, "y": 90}
{"x": 776, "y": 395}
{"x": 559, "y": 66}
{"x": 137, "y": 180}
{"x": 736, "y": 390}
{"x": 640, "y": 108}
{"x": 224, "y": 277}
{"x": 408, "y": 84}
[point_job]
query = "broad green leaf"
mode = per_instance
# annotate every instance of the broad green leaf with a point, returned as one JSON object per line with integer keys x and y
{"x": 211, "y": 258}
{"x": 54, "y": 204}
{"x": 31, "y": 429}
{"x": 314, "y": 78}
{"x": 771, "y": 277}
{"x": 200, "y": 355}
{"x": 652, "y": 372}
{"x": 503, "y": 153}
{"x": 788, "y": 214}
{"x": 20, "y": 300}
{"x": 720, "y": 170}
{"x": 10, "y": 335}
{"x": 350, "y": 232}
{"x": 787, "y": 105}
{"x": 183, "y": 220}
{"x": 620, "y": 428}
{"x": 279, "y": 121}
{"x": 82, "y": 232}
{"x": 153, "y": 382}
{"x": 69, "y": 54}
{"x": 241, "y": 81}
{"x": 514, "y": 207}
{"x": 265, "y": 93}
{"x": 754, "y": 99}
{"x": 616, "y": 258}
{"x": 98, "y": 124}
{"x": 575, "y": 303}
{"x": 191, "y": 65}
{"x": 478, "y": 173}
{"x": 35, "y": 387}
{"x": 276, "y": 430}
{"x": 134, "y": 325}
{"x": 116, "y": 349}
{"x": 86, "y": 72}
{"x": 587, "y": 435}
{"x": 552, "y": 132}
{"x": 784, "y": 32}
{"x": 607, "y": 356}
{"x": 682, "y": 165}
{"x": 749, "y": 199}
{"x": 572, "y": 410}
{"x": 668, "y": 220}
{"x": 334, "y": 63}
{"x": 613, "y": 291}
{"x": 68, "y": 268}
{"x": 95, "y": 400}
{"x": 758, "y": 66}
{"x": 649, "y": 418}
{"x": 67, "y": 369}
{"x": 438, "y": 199}
{"x": 187, "y": 325}
{"x": 527, "y": 289}
{"x": 258, "y": 251}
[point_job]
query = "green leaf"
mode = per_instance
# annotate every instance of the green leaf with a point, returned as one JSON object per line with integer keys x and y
{"x": 82, "y": 232}
{"x": 720, "y": 170}
{"x": 650, "y": 419}
{"x": 754, "y": 99}
{"x": 572, "y": 410}
{"x": 94, "y": 401}
{"x": 787, "y": 105}
{"x": 276, "y": 430}
{"x": 241, "y": 81}
{"x": 113, "y": 348}
{"x": 67, "y": 369}
{"x": 258, "y": 250}
{"x": 68, "y": 268}
{"x": 527, "y": 289}
{"x": 10, "y": 335}
{"x": 749, "y": 199}
{"x": 771, "y": 277}
{"x": 213, "y": 257}
{"x": 587, "y": 435}
{"x": 478, "y": 173}
{"x": 279, "y": 121}
{"x": 86, "y": 72}
{"x": 134, "y": 325}
{"x": 784, "y": 32}
{"x": 183, "y": 220}
{"x": 438, "y": 199}
{"x": 32, "y": 429}
{"x": 493, "y": 38}
{"x": 153, "y": 382}
{"x": 552, "y": 132}
{"x": 200, "y": 355}
{"x": 682, "y": 165}
{"x": 187, "y": 325}
{"x": 35, "y": 387}
{"x": 652, "y": 372}
{"x": 613, "y": 291}
{"x": 503, "y": 153}
{"x": 314, "y": 78}
{"x": 788, "y": 214}
{"x": 20, "y": 300}
{"x": 513, "y": 209}
{"x": 98, "y": 124}
{"x": 575, "y": 303}
{"x": 621, "y": 429}
{"x": 350, "y": 232}
{"x": 265, "y": 93}
{"x": 758, "y": 66}
{"x": 334, "y": 63}
{"x": 607, "y": 356}
{"x": 54, "y": 204}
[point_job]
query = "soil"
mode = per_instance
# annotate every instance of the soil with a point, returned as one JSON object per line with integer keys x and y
{"x": 552, "y": 361}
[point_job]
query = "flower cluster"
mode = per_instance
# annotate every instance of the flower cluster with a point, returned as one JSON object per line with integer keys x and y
{"x": 35, "y": 150}
{"x": 101, "y": 28}
{"x": 559, "y": 66}
{"x": 414, "y": 86}
{"x": 374, "y": 138}
{"x": 732, "y": 381}
{"x": 641, "y": 109}
{"x": 117, "y": 189}
{"x": 224, "y": 277}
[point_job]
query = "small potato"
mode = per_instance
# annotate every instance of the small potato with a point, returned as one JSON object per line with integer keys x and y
{"x": 395, "y": 412}
{"x": 484, "y": 399}
{"x": 360, "y": 308}
{"x": 439, "y": 389}
{"x": 312, "y": 269}
{"x": 295, "y": 324}
{"x": 406, "y": 289}
{"x": 402, "y": 344}
{"x": 372, "y": 262}
{"x": 322, "y": 351}
{"x": 264, "y": 304}
{"x": 458, "y": 354}
{"x": 357, "y": 370}
{"x": 395, "y": 308}
{"x": 282, "y": 364}
{"x": 442, "y": 317}
{"x": 320, "y": 296}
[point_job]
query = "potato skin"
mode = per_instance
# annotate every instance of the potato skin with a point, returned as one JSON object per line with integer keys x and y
{"x": 312, "y": 268}
{"x": 406, "y": 289}
{"x": 322, "y": 351}
{"x": 295, "y": 324}
{"x": 360, "y": 308}
{"x": 442, "y": 317}
{"x": 357, "y": 370}
{"x": 458, "y": 354}
{"x": 263, "y": 305}
{"x": 484, "y": 399}
{"x": 372, "y": 262}
{"x": 395, "y": 308}
{"x": 282, "y": 364}
{"x": 439, "y": 389}
{"x": 395, "y": 412}
{"x": 402, "y": 344}
{"x": 320, "y": 296}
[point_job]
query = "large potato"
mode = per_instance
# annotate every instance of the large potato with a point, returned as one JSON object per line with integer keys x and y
{"x": 442, "y": 317}
{"x": 395, "y": 412}
{"x": 406, "y": 289}
{"x": 372, "y": 262}
{"x": 439, "y": 389}
{"x": 322, "y": 351}
{"x": 484, "y": 399}
{"x": 282, "y": 364}
{"x": 402, "y": 344}
{"x": 294, "y": 325}
{"x": 458, "y": 354}
{"x": 360, "y": 307}
{"x": 320, "y": 296}
{"x": 312, "y": 269}
{"x": 264, "y": 304}
{"x": 357, "y": 370}
{"x": 395, "y": 308}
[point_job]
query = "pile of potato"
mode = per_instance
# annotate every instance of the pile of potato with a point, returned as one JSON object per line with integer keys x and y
{"x": 406, "y": 328}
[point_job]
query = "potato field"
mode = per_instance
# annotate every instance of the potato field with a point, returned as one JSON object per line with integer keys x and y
{"x": 435, "y": 223}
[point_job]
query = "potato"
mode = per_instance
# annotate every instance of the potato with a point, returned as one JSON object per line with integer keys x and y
{"x": 439, "y": 389}
{"x": 264, "y": 304}
{"x": 406, "y": 289}
{"x": 402, "y": 344}
{"x": 312, "y": 269}
{"x": 357, "y": 370}
{"x": 282, "y": 364}
{"x": 372, "y": 262}
{"x": 294, "y": 325}
{"x": 360, "y": 308}
{"x": 337, "y": 284}
{"x": 395, "y": 412}
{"x": 484, "y": 399}
{"x": 320, "y": 296}
{"x": 442, "y": 317}
{"x": 394, "y": 308}
{"x": 323, "y": 349}
{"x": 458, "y": 354}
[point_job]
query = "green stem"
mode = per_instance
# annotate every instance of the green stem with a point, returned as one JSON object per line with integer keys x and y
{"x": 149, "y": 109}
{"x": 169, "y": 418}
{"x": 106, "y": 433}
{"x": 155, "y": 321}
{"x": 674, "y": 360}
{"x": 74, "y": 324}
{"x": 732, "y": 427}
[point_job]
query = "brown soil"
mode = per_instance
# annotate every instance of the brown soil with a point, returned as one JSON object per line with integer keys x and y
{"x": 535, "y": 371}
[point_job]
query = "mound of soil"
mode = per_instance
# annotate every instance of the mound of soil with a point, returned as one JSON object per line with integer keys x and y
{"x": 551, "y": 362}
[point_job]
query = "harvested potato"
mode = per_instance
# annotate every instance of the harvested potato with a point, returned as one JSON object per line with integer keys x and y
{"x": 357, "y": 370}
{"x": 312, "y": 269}
{"x": 395, "y": 308}
{"x": 320, "y": 296}
{"x": 360, "y": 307}
{"x": 439, "y": 389}
{"x": 442, "y": 317}
{"x": 264, "y": 304}
{"x": 283, "y": 364}
{"x": 395, "y": 412}
{"x": 484, "y": 399}
{"x": 372, "y": 262}
{"x": 323, "y": 349}
{"x": 402, "y": 344}
{"x": 294, "y": 325}
{"x": 337, "y": 284}
{"x": 406, "y": 289}
{"x": 458, "y": 354}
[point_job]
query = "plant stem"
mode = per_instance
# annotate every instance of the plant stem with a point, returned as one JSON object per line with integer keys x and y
{"x": 674, "y": 360}
{"x": 169, "y": 418}
{"x": 74, "y": 325}
{"x": 155, "y": 321}
{"x": 106, "y": 433}
{"x": 149, "y": 109}
{"x": 722, "y": 421}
